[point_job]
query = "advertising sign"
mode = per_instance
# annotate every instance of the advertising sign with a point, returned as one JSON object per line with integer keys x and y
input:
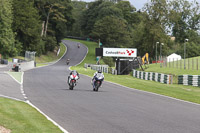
{"x": 120, "y": 52}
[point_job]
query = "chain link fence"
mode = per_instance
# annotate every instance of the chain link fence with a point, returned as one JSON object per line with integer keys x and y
{"x": 30, "y": 56}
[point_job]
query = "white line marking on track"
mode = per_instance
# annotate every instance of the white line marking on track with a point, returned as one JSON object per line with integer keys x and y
{"x": 11, "y": 98}
{"x": 13, "y": 77}
{"x": 61, "y": 128}
{"x": 151, "y": 93}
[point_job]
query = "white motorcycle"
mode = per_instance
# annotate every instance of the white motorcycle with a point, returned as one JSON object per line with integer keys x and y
{"x": 98, "y": 79}
{"x": 72, "y": 81}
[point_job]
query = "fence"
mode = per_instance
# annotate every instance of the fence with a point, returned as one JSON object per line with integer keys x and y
{"x": 103, "y": 68}
{"x": 158, "y": 77}
{"x": 30, "y": 56}
{"x": 193, "y": 80}
{"x": 189, "y": 63}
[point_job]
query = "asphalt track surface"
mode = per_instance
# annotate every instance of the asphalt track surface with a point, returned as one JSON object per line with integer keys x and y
{"x": 114, "y": 109}
{"x": 8, "y": 86}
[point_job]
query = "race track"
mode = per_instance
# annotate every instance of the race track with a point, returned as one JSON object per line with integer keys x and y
{"x": 114, "y": 109}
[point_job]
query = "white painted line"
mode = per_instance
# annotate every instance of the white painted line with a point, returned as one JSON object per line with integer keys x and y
{"x": 82, "y": 59}
{"x": 11, "y": 98}
{"x": 48, "y": 118}
{"x": 27, "y": 101}
{"x": 12, "y": 77}
{"x": 151, "y": 93}
{"x": 65, "y": 131}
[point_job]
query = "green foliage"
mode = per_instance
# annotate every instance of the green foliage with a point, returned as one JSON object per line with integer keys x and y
{"x": 57, "y": 18}
{"x": 183, "y": 16}
{"x": 78, "y": 8}
{"x": 109, "y": 61}
{"x": 50, "y": 43}
{"x": 112, "y": 31}
{"x": 27, "y": 25}
{"x": 127, "y": 11}
{"x": 20, "y": 117}
{"x": 7, "y": 39}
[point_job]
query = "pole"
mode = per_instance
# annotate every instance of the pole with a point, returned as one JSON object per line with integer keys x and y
{"x": 161, "y": 54}
{"x": 156, "y": 51}
{"x": 184, "y": 56}
{"x": 186, "y": 40}
{"x": 99, "y": 43}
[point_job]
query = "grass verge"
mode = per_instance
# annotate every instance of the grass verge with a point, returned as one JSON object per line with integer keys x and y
{"x": 19, "y": 117}
{"x": 188, "y": 93}
{"x": 43, "y": 60}
{"x": 16, "y": 75}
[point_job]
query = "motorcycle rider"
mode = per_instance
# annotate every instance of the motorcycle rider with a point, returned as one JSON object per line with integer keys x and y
{"x": 99, "y": 74}
{"x": 78, "y": 45}
{"x": 67, "y": 62}
{"x": 73, "y": 72}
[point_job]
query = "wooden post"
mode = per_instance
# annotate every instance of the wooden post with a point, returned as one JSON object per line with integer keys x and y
{"x": 192, "y": 64}
{"x": 181, "y": 64}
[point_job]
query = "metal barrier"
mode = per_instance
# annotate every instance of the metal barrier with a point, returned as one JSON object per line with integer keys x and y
{"x": 103, "y": 68}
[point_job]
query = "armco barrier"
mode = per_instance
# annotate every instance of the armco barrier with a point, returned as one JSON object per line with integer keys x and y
{"x": 193, "y": 80}
{"x": 103, "y": 68}
{"x": 23, "y": 66}
{"x": 158, "y": 77}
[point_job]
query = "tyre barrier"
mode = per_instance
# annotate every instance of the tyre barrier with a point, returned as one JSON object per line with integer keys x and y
{"x": 158, "y": 77}
{"x": 193, "y": 80}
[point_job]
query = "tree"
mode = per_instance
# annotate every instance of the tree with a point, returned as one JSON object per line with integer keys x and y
{"x": 127, "y": 10}
{"x": 89, "y": 17}
{"x": 57, "y": 18}
{"x": 112, "y": 32}
{"x": 7, "y": 39}
{"x": 152, "y": 28}
{"x": 27, "y": 25}
{"x": 78, "y": 8}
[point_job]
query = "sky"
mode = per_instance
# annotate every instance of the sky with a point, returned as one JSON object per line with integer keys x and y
{"x": 138, "y": 4}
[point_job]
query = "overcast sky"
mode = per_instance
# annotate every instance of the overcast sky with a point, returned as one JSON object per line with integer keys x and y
{"x": 138, "y": 4}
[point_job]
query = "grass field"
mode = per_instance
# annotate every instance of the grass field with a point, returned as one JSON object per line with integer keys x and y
{"x": 50, "y": 57}
{"x": 20, "y": 117}
{"x": 188, "y": 93}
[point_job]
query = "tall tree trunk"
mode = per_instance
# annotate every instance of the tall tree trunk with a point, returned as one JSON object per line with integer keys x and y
{"x": 46, "y": 26}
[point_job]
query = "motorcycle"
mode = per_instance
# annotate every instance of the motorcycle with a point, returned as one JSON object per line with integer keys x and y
{"x": 97, "y": 82}
{"x": 67, "y": 62}
{"x": 72, "y": 81}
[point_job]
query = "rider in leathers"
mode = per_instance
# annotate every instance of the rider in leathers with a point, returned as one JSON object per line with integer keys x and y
{"x": 97, "y": 73}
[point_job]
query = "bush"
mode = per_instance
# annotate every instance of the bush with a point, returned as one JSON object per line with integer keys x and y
{"x": 109, "y": 61}
{"x": 50, "y": 43}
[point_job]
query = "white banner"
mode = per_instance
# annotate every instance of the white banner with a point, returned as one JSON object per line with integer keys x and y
{"x": 120, "y": 52}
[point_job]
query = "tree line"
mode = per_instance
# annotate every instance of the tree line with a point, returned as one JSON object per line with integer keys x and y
{"x": 40, "y": 25}
{"x": 33, "y": 25}
{"x": 120, "y": 24}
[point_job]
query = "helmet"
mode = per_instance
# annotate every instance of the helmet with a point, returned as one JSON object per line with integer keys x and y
{"x": 99, "y": 71}
{"x": 73, "y": 70}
